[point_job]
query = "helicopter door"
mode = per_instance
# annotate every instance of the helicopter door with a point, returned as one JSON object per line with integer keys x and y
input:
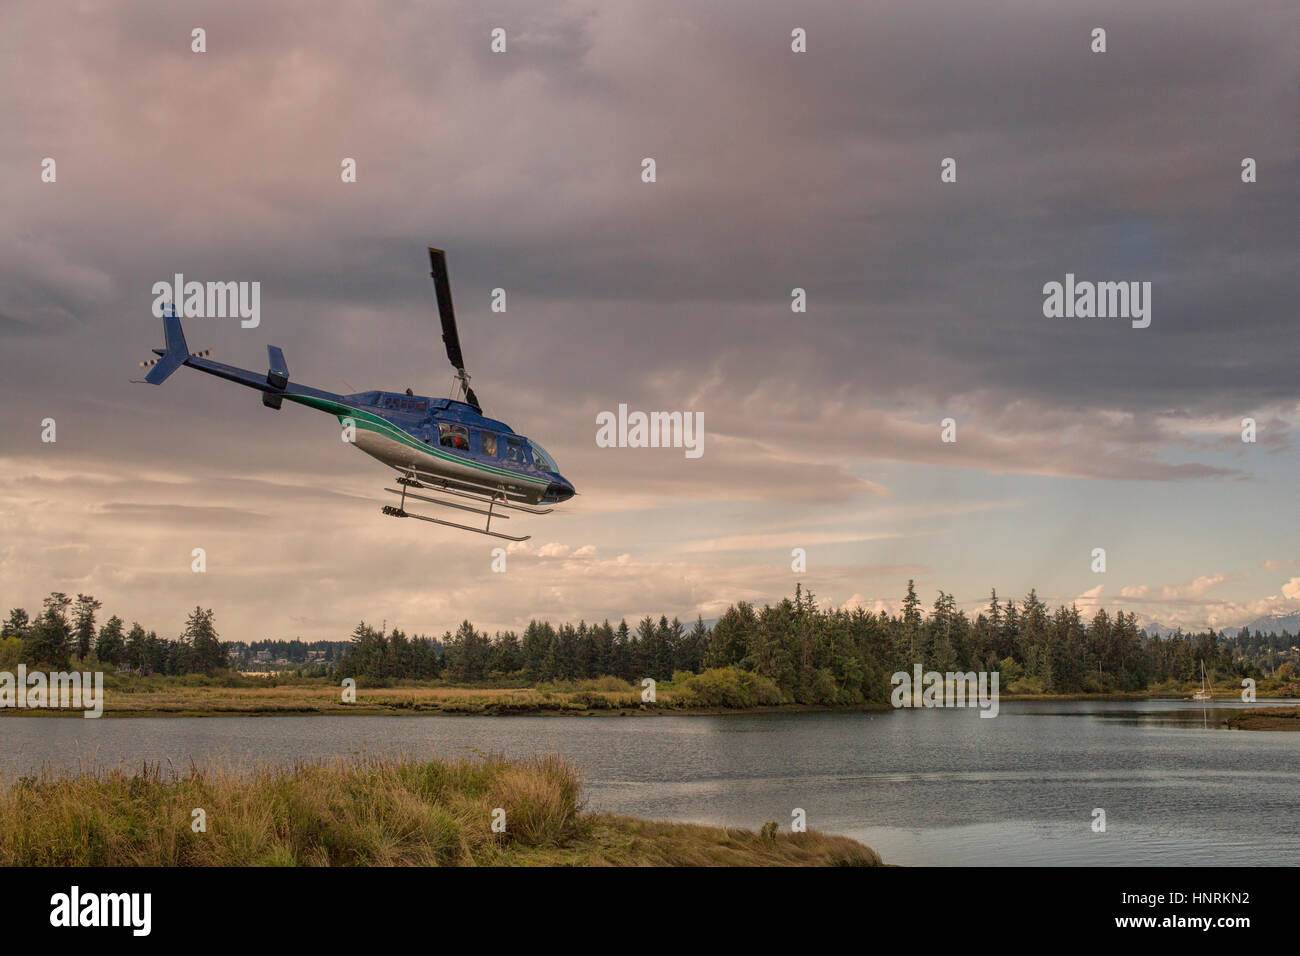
{"x": 454, "y": 436}
{"x": 514, "y": 453}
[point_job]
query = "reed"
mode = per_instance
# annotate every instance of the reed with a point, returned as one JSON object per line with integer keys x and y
{"x": 363, "y": 811}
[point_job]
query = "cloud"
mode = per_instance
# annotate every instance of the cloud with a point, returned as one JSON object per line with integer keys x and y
{"x": 1195, "y": 588}
{"x": 1090, "y": 600}
{"x": 871, "y": 605}
{"x": 776, "y": 170}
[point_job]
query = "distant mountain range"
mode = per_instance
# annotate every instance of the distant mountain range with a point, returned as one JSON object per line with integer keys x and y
{"x": 1276, "y": 623}
{"x": 1271, "y": 624}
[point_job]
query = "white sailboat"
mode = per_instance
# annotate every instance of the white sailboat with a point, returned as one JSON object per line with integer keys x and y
{"x": 1204, "y": 693}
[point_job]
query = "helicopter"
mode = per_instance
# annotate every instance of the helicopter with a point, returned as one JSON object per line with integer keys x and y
{"x": 444, "y": 447}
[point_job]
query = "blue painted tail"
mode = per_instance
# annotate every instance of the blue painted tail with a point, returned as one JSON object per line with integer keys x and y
{"x": 174, "y": 356}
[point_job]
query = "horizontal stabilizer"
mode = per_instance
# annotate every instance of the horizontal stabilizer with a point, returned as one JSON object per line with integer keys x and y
{"x": 277, "y": 371}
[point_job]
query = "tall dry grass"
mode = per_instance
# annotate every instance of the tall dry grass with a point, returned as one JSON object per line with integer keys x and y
{"x": 365, "y": 811}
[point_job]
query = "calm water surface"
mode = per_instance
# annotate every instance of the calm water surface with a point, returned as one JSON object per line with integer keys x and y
{"x": 920, "y": 786}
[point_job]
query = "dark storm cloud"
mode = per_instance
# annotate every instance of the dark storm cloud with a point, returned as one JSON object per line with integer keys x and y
{"x": 775, "y": 170}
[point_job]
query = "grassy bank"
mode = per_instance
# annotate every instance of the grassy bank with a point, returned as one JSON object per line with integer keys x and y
{"x": 367, "y": 811}
{"x": 1266, "y": 718}
{"x": 719, "y": 691}
{"x": 724, "y": 690}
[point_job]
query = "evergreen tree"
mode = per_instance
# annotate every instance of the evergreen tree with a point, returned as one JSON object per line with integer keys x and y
{"x": 731, "y": 636}
{"x": 83, "y": 616}
{"x": 205, "y": 650}
{"x": 694, "y": 647}
{"x": 507, "y": 653}
{"x": 622, "y": 660}
{"x": 911, "y": 624}
{"x": 645, "y": 649}
{"x": 469, "y": 654}
{"x": 157, "y": 656}
{"x": 137, "y": 647}
{"x": 401, "y": 653}
{"x": 110, "y": 646}
{"x": 48, "y": 638}
{"x": 536, "y": 650}
{"x": 16, "y": 625}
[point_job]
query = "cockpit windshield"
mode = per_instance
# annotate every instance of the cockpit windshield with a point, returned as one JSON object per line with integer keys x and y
{"x": 541, "y": 459}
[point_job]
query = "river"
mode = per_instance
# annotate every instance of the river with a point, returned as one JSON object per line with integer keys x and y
{"x": 920, "y": 786}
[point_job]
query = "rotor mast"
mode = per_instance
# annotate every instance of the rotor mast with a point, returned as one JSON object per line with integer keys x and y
{"x": 460, "y": 386}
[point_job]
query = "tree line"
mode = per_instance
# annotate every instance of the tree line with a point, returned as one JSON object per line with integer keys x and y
{"x": 543, "y": 652}
{"x": 812, "y": 654}
{"x": 65, "y": 629}
{"x": 845, "y": 656}
{"x": 296, "y": 651}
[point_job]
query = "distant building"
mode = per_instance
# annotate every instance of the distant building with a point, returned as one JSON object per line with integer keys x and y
{"x": 264, "y": 656}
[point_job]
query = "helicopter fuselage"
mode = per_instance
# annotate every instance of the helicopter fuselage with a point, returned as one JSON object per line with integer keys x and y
{"x": 438, "y": 436}
{"x": 447, "y": 438}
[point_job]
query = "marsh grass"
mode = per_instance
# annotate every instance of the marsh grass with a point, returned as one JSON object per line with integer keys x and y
{"x": 363, "y": 811}
{"x": 194, "y": 695}
{"x": 323, "y": 697}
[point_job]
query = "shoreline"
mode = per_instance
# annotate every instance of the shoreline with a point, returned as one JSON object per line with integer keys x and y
{"x": 487, "y": 711}
{"x": 1265, "y": 718}
{"x": 482, "y": 702}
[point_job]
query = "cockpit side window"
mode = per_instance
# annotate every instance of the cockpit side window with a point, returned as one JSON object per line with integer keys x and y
{"x": 515, "y": 450}
{"x": 489, "y": 441}
{"x": 541, "y": 459}
{"x": 454, "y": 436}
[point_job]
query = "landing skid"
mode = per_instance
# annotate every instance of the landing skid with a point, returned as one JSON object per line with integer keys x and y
{"x": 442, "y": 488}
{"x": 492, "y": 501}
{"x": 466, "y": 488}
{"x": 399, "y": 513}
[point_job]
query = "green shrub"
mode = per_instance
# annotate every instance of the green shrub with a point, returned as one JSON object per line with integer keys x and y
{"x": 730, "y": 687}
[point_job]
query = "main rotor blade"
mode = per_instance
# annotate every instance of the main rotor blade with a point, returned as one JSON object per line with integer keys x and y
{"x": 447, "y": 313}
{"x": 442, "y": 289}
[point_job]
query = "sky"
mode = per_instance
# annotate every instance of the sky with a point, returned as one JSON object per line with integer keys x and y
{"x": 774, "y": 170}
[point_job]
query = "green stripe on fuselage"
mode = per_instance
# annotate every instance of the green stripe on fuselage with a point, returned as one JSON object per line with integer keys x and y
{"x": 383, "y": 426}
